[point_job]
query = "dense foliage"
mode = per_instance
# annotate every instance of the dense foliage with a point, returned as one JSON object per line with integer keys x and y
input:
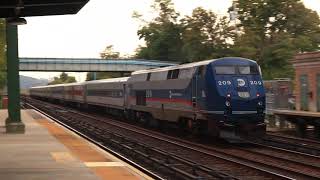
{"x": 273, "y": 31}
{"x": 62, "y": 79}
{"x": 109, "y": 53}
{"x": 192, "y": 38}
{"x": 267, "y": 31}
{"x": 162, "y": 35}
{"x": 205, "y": 36}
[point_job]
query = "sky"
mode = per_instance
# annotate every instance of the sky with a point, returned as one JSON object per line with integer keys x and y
{"x": 98, "y": 24}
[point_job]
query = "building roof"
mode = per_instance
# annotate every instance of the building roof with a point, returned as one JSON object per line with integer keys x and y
{"x": 24, "y": 8}
{"x": 309, "y": 57}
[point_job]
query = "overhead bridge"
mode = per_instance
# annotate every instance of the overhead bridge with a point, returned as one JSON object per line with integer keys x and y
{"x": 89, "y": 65}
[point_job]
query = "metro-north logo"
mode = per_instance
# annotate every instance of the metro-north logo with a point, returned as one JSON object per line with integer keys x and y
{"x": 241, "y": 82}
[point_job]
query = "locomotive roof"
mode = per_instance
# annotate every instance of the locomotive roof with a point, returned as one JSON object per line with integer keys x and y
{"x": 182, "y": 66}
{"x": 188, "y": 65}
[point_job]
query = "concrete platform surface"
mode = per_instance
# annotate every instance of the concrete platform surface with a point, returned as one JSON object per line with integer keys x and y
{"x": 47, "y": 151}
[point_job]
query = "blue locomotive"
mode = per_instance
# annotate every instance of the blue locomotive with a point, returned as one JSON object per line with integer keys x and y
{"x": 222, "y": 97}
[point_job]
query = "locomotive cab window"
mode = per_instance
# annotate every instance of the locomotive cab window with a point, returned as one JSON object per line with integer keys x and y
{"x": 225, "y": 69}
{"x": 248, "y": 70}
{"x": 229, "y": 70}
{"x": 202, "y": 71}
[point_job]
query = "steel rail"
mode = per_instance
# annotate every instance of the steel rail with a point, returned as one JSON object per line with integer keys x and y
{"x": 283, "y": 143}
{"x": 301, "y": 141}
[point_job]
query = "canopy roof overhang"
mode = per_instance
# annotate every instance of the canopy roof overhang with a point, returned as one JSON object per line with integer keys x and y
{"x": 24, "y": 8}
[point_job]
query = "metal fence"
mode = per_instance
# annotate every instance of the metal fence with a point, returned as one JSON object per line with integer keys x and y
{"x": 278, "y": 94}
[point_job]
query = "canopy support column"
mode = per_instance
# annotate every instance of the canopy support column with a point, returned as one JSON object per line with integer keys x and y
{"x": 13, "y": 122}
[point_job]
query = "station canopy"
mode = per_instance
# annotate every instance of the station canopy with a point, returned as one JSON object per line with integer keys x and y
{"x": 25, "y": 8}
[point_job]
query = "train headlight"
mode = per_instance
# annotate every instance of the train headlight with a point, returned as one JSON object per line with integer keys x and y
{"x": 260, "y": 103}
{"x": 228, "y": 104}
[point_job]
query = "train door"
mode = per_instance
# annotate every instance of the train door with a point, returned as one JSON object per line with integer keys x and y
{"x": 85, "y": 93}
{"x": 318, "y": 92}
{"x": 73, "y": 93}
{"x": 141, "y": 98}
{"x": 125, "y": 95}
{"x": 194, "y": 93}
{"x": 304, "y": 92}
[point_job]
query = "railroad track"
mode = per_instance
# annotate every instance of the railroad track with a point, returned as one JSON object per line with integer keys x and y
{"x": 293, "y": 139}
{"x": 175, "y": 167}
{"x": 305, "y": 146}
{"x": 187, "y": 159}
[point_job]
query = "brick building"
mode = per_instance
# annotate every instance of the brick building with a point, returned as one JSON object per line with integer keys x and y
{"x": 307, "y": 81}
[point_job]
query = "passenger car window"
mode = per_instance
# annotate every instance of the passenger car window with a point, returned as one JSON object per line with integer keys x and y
{"x": 173, "y": 74}
{"x": 169, "y": 74}
{"x": 225, "y": 69}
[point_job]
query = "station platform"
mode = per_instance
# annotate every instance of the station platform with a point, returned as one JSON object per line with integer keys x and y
{"x": 297, "y": 113}
{"x": 48, "y": 151}
{"x": 303, "y": 120}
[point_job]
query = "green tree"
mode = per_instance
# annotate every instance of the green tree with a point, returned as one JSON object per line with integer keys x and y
{"x": 3, "y": 64}
{"x": 62, "y": 79}
{"x": 109, "y": 53}
{"x": 271, "y": 32}
{"x": 205, "y": 35}
{"x": 162, "y": 35}
{"x": 197, "y": 37}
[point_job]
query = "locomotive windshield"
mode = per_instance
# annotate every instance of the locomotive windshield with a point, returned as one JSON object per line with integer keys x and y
{"x": 248, "y": 70}
{"x": 225, "y": 69}
{"x": 253, "y": 70}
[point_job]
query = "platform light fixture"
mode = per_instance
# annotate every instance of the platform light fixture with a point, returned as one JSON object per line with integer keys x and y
{"x": 16, "y": 21}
